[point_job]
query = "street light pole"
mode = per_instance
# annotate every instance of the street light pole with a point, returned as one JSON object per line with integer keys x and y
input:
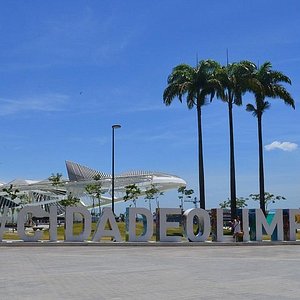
{"x": 115, "y": 126}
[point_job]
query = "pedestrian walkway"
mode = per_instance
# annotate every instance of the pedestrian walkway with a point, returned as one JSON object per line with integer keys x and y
{"x": 129, "y": 272}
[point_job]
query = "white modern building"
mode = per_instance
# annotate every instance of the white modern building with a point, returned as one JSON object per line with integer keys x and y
{"x": 19, "y": 193}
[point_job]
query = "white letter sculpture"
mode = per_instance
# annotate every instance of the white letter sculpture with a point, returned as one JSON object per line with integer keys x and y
{"x": 293, "y": 224}
{"x": 164, "y": 225}
{"x": 148, "y": 225}
{"x": 107, "y": 216}
{"x": 203, "y": 223}
{"x": 245, "y": 218}
{"x": 261, "y": 221}
{"x": 36, "y": 211}
{"x": 87, "y": 223}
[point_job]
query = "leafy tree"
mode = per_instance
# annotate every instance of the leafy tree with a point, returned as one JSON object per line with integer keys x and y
{"x": 95, "y": 191}
{"x": 132, "y": 192}
{"x": 90, "y": 189}
{"x": 69, "y": 201}
{"x": 240, "y": 203}
{"x": 184, "y": 194}
{"x": 268, "y": 84}
{"x": 25, "y": 199}
{"x": 11, "y": 192}
{"x": 268, "y": 199}
{"x": 196, "y": 83}
{"x": 151, "y": 194}
{"x": 56, "y": 179}
{"x": 235, "y": 80}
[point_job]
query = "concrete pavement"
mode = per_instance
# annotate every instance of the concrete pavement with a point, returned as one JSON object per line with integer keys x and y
{"x": 78, "y": 272}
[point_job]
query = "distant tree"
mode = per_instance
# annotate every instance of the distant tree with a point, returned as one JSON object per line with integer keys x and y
{"x": 95, "y": 191}
{"x": 268, "y": 198}
{"x": 151, "y": 194}
{"x": 25, "y": 199}
{"x": 11, "y": 192}
{"x": 240, "y": 203}
{"x": 69, "y": 201}
{"x": 132, "y": 192}
{"x": 90, "y": 189}
{"x": 184, "y": 195}
{"x": 56, "y": 179}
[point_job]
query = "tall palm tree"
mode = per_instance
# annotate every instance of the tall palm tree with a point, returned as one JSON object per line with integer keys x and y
{"x": 197, "y": 83}
{"x": 268, "y": 85}
{"x": 235, "y": 81}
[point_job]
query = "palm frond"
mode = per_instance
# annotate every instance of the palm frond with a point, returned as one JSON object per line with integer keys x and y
{"x": 280, "y": 77}
{"x": 170, "y": 93}
{"x": 194, "y": 83}
{"x": 266, "y": 105}
{"x": 267, "y": 83}
{"x": 191, "y": 101}
{"x": 252, "y": 109}
{"x": 282, "y": 93}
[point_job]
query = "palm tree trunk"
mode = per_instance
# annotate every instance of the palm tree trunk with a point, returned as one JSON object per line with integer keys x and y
{"x": 200, "y": 160}
{"x": 261, "y": 165}
{"x": 232, "y": 165}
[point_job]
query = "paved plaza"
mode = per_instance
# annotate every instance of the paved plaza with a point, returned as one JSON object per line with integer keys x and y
{"x": 131, "y": 272}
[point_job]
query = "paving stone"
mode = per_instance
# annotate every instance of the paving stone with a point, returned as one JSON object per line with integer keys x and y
{"x": 257, "y": 272}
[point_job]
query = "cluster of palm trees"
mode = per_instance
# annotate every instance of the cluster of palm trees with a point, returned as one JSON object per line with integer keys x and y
{"x": 209, "y": 80}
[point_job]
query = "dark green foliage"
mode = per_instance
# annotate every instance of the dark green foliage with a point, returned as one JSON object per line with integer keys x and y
{"x": 236, "y": 79}
{"x": 184, "y": 195}
{"x": 240, "y": 203}
{"x": 269, "y": 198}
{"x": 95, "y": 191}
{"x": 267, "y": 83}
{"x": 11, "y": 192}
{"x": 198, "y": 85}
{"x": 132, "y": 193}
{"x": 70, "y": 201}
{"x": 56, "y": 179}
{"x": 151, "y": 194}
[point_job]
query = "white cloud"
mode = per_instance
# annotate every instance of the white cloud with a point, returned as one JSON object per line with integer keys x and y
{"x": 285, "y": 146}
{"x": 43, "y": 103}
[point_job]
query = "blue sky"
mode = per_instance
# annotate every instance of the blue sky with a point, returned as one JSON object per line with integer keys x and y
{"x": 71, "y": 69}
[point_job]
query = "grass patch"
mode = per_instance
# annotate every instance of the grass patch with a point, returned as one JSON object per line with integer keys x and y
{"x": 78, "y": 227}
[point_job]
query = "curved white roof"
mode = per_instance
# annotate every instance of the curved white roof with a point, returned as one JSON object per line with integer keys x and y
{"x": 80, "y": 176}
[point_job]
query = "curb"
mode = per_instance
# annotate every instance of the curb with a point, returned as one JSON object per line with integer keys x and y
{"x": 9, "y": 243}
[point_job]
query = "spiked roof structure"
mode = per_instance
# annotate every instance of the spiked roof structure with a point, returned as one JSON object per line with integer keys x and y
{"x": 45, "y": 192}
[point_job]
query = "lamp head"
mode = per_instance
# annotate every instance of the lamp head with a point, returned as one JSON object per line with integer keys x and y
{"x": 116, "y": 126}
